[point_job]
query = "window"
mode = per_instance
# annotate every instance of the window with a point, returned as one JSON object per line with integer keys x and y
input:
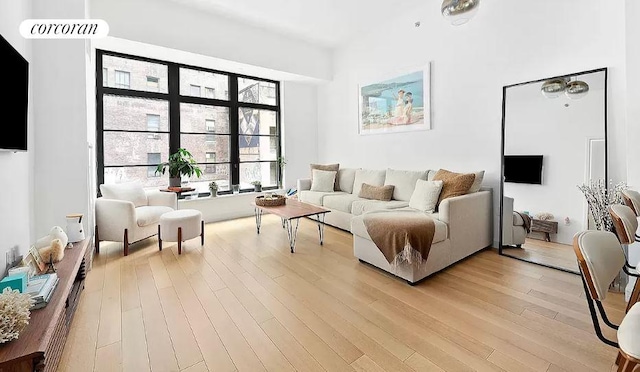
{"x": 153, "y": 122}
{"x": 153, "y": 158}
{"x": 195, "y": 90}
{"x": 210, "y": 125}
{"x": 211, "y": 158}
{"x": 105, "y": 77}
{"x": 122, "y": 79}
{"x": 153, "y": 82}
{"x": 142, "y": 120}
{"x": 273, "y": 140}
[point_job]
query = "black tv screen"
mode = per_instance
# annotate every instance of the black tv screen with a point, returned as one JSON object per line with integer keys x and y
{"x": 523, "y": 169}
{"x": 14, "y": 102}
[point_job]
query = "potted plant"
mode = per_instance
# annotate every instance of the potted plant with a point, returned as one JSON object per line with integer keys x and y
{"x": 213, "y": 187}
{"x": 257, "y": 186}
{"x": 180, "y": 164}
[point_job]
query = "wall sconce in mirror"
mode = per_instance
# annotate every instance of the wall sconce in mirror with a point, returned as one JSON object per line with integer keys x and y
{"x": 459, "y": 12}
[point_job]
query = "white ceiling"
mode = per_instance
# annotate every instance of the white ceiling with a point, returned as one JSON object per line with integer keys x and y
{"x": 329, "y": 23}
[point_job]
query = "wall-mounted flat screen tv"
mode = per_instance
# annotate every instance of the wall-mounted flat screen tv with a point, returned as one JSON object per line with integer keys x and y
{"x": 13, "y": 105}
{"x": 523, "y": 169}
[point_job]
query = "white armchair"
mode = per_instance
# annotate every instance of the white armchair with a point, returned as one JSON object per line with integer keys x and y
{"x": 513, "y": 230}
{"x": 127, "y": 213}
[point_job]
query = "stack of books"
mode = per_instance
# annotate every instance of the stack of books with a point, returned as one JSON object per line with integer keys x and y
{"x": 41, "y": 288}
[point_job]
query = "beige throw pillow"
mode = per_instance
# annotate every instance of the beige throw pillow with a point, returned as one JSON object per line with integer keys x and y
{"x": 425, "y": 196}
{"x": 384, "y": 193}
{"x": 477, "y": 182}
{"x": 323, "y": 181}
{"x": 454, "y": 184}
{"x": 330, "y": 168}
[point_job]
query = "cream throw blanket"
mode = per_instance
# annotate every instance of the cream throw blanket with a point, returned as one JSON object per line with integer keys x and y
{"x": 402, "y": 236}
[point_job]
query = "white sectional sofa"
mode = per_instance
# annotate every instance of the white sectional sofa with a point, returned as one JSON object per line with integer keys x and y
{"x": 463, "y": 223}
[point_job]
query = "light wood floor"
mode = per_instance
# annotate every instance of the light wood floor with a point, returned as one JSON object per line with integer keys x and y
{"x": 548, "y": 253}
{"x": 243, "y": 302}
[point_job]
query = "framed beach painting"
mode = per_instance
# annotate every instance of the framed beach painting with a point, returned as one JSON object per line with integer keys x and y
{"x": 399, "y": 103}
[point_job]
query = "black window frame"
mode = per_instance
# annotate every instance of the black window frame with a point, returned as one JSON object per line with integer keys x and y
{"x": 174, "y": 99}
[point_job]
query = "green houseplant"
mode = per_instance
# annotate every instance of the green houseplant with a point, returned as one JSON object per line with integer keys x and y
{"x": 257, "y": 186}
{"x": 181, "y": 163}
{"x": 213, "y": 188}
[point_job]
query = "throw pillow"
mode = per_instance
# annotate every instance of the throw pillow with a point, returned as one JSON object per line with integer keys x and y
{"x": 426, "y": 195}
{"x": 323, "y": 181}
{"x": 477, "y": 182}
{"x": 330, "y": 168}
{"x": 384, "y": 193}
{"x": 454, "y": 184}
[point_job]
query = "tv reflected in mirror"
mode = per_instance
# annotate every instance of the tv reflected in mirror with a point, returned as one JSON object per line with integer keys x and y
{"x": 523, "y": 169}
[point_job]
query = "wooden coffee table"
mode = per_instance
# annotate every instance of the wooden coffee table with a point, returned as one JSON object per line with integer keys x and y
{"x": 290, "y": 213}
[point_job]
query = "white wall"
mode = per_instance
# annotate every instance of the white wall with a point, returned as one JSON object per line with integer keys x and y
{"x": 506, "y": 43}
{"x": 59, "y": 92}
{"x": 536, "y": 125}
{"x": 173, "y": 25}
{"x": 300, "y": 125}
{"x": 16, "y": 169}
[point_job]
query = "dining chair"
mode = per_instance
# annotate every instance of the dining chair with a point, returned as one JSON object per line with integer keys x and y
{"x": 600, "y": 259}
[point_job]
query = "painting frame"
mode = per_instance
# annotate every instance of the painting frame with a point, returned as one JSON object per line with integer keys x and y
{"x": 417, "y": 118}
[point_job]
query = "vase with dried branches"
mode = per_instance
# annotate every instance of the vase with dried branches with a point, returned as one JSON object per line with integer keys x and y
{"x": 600, "y": 197}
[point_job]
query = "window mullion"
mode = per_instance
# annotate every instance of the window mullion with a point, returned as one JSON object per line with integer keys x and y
{"x": 234, "y": 123}
{"x": 174, "y": 107}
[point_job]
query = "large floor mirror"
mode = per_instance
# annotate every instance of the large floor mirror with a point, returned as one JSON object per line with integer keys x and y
{"x": 554, "y": 138}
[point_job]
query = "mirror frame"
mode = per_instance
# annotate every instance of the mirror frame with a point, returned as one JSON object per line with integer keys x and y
{"x": 502, "y": 146}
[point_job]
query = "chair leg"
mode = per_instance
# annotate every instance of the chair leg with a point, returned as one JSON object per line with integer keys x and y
{"x": 201, "y": 232}
{"x": 619, "y": 358}
{"x": 630, "y": 366}
{"x": 159, "y": 239}
{"x": 126, "y": 242}
{"x": 97, "y": 240}
{"x": 179, "y": 240}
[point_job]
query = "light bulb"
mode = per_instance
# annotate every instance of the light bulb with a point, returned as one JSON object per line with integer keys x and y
{"x": 459, "y": 12}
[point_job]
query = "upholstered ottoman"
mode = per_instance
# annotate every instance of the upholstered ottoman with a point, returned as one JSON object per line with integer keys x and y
{"x": 180, "y": 225}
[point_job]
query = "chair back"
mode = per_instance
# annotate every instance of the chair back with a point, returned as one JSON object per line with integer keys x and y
{"x": 632, "y": 199}
{"x": 624, "y": 222}
{"x": 129, "y": 191}
{"x": 600, "y": 259}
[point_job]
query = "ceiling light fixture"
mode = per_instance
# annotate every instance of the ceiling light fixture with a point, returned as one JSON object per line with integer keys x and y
{"x": 576, "y": 89}
{"x": 459, "y": 12}
{"x": 554, "y": 88}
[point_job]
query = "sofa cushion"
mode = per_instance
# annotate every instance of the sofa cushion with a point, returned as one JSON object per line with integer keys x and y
{"x": 323, "y": 181}
{"x": 370, "y": 176}
{"x": 358, "y": 228}
{"x": 455, "y": 184}
{"x": 150, "y": 215}
{"x": 330, "y": 168}
{"x": 425, "y": 196}
{"x": 341, "y": 202}
{"x": 130, "y": 191}
{"x": 361, "y": 206}
{"x": 383, "y": 193}
{"x": 477, "y": 182}
{"x": 404, "y": 182}
{"x": 346, "y": 177}
{"x": 315, "y": 197}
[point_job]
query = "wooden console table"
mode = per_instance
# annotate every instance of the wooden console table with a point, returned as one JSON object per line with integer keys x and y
{"x": 40, "y": 345}
{"x": 546, "y": 227}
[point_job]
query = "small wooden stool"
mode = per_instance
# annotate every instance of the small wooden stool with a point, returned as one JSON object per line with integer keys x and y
{"x": 180, "y": 225}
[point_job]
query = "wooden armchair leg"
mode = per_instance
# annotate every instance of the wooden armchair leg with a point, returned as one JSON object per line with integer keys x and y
{"x": 97, "y": 240}
{"x": 201, "y": 232}
{"x": 126, "y": 242}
